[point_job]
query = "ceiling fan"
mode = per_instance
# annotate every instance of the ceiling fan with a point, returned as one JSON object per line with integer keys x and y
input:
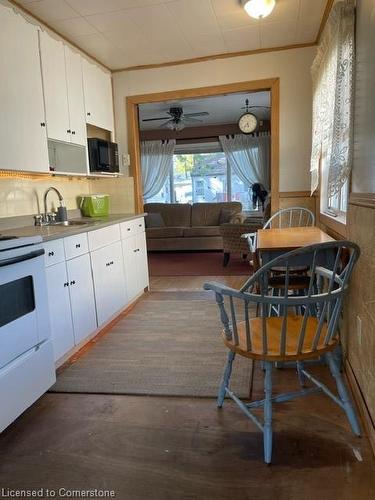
{"x": 177, "y": 119}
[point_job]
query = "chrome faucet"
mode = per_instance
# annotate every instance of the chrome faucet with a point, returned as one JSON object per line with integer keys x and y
{"x": 61, "y": 199}
{"x": 51, "y": 218}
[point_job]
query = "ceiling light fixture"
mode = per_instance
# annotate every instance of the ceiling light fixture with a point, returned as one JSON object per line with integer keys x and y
{"x": 258, "y": 8}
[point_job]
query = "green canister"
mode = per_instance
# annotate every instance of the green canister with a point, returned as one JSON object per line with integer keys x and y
{"x": 94, "y": 205}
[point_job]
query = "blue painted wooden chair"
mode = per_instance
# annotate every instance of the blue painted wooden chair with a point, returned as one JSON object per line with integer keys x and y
{"x": 288, "y": 337}
{"x": 291, "y": 217}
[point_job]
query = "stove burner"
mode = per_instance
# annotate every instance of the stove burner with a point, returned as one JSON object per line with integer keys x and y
{"x": 5, "y": 238}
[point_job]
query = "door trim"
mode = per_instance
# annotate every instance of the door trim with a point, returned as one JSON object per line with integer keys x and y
{"x": 132, "y": 102}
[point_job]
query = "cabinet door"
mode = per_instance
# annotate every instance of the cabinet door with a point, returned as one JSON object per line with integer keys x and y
{"x": 109, "y": 283}
{"x": 142, "y": 264}
{"x": 97, "y": 87}
{"x": 59, "y": 307}
{"x": 23, "y": 141}
{"x": 129, "y": 249}
{"x": 75, "y": 97}
{"x": 82, "y": 300}
{"x": 54, "y": 88}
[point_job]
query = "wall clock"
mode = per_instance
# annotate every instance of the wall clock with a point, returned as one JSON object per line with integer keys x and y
{"x": 247, "y": 123}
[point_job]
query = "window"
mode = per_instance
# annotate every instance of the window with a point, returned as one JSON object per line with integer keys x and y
{"x": 203, "y": 177}
{"x": 333, "y": 205}
{"x": 332, "y": 144}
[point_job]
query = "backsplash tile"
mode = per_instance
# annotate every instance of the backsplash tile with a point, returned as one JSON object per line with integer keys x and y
{"x": 23, "y": 194}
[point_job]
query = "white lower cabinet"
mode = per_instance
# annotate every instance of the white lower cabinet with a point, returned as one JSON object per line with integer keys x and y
{"x": 59, "y": 307}
{"x": 88, "y": 283}
{"x": 135, "y": 264}
{"x": 81, "y": 293}
{"x": 109, "y": 283}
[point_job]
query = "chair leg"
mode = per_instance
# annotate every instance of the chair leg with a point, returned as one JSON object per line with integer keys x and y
{"x": 225, "y": 380}
{"x": 301, "y": 376}
{"x": 226, "y": 259}
{"x": 343, "y": 394}
{"x": 267, "y": 427}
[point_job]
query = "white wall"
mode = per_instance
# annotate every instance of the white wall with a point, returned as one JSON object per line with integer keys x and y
{"x": 291, "y": 66}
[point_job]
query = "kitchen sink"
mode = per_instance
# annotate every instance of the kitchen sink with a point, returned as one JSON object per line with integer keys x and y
{"x": 70, "y": 223}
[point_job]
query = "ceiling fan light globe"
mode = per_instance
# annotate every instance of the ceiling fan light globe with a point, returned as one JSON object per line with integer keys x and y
{"x": 258, "y": 9}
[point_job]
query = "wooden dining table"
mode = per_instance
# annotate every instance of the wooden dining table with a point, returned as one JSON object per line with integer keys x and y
{"x": 271, "y": 243}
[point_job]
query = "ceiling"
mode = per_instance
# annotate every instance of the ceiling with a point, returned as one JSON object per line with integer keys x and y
{"x": 125, "y": 33}
{"x": 223, "y": 109}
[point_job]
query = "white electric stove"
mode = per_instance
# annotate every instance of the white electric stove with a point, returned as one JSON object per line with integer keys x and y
{"x": 27, "y": 367}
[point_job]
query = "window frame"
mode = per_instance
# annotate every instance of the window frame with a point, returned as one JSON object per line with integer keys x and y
{"x": 335, "y": 223}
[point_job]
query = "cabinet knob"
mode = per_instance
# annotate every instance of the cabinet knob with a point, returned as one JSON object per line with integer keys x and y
{"x": 128, "y": 228}
{"x": 43, "y": 124}
{"x": 73, "y": 282}
{"x": 51, "y": 254}
{"x": 66, "y": 284}
{"x": 73, "y": 132}
{"x": 78, "y": 245}
{"x": 88, "y": 114}
{"x": 68, "y": 131}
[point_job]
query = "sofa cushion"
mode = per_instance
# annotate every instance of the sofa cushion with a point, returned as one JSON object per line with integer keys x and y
{"x": 154, "y": 220}
{"x": 196, "y": 231}
{"x": 165, "y": 232}
{"x": 173, "y": 214}
{"x": 208, "y": 214}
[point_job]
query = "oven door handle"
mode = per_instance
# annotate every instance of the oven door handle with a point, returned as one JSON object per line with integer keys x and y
{"x": 22, "y": 258}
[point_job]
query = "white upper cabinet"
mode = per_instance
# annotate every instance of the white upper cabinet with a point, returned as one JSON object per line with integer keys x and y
{"x": 23, "y": 142}
{"x": 73, "y": 64}
{"x": 55, "y": 89}
{"x": 97, "y": 87}
{"x": 63, "y": 91}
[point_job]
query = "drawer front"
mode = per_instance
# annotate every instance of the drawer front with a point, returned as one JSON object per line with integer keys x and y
{"x": 103, "y": 237}
{"x": 76, "y": 245}
{"x": 54, "y": 252}
{"x": 132, "y": 227}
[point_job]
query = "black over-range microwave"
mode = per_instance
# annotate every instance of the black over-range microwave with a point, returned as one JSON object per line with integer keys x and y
{"x": 103, "y": 155}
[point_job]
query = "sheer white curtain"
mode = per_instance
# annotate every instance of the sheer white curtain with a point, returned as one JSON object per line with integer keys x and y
{"x": 332, "y": 74}
{"x": 249, "y": 157}
{"x": 156, "y": 164}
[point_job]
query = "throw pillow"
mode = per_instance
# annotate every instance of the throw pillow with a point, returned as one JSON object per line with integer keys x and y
{"x": 225, "y": 215}
{"x": 154, "y": 220}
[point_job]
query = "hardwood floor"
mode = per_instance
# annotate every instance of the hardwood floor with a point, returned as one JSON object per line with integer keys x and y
{"x": 177, "y": 448}
{"x": 191, "y": 283}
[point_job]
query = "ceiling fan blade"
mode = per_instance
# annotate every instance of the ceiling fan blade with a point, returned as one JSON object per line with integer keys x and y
{"x": 165, "y": 123}
{"x": 202, "y": 113}
{"x": 154, "y": 119}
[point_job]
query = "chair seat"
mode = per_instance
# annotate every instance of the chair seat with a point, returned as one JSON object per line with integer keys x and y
{"x": 274, "y": 327}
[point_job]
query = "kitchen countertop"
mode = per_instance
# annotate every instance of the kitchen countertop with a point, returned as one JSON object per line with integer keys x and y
{"x": 55, "y": 232}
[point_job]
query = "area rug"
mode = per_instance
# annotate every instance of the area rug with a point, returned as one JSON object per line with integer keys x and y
{"x": 168, "y": 345}
{"x": 195, "y": 264}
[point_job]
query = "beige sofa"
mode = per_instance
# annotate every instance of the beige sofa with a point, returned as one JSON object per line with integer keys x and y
{"x": 188, "y": 227}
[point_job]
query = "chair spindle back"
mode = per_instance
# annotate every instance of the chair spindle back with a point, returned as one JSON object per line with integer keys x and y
{"x": 307, "y": 320}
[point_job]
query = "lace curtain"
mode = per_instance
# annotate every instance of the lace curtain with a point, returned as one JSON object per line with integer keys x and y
{"x": 249, "y": 157}
{"x": 156, "y": 164}
{"x": 332, "y": 75}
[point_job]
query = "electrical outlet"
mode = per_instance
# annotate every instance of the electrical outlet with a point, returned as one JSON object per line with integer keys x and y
{"x": 359, "y": 330}
{"x": 125, "y": 160}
